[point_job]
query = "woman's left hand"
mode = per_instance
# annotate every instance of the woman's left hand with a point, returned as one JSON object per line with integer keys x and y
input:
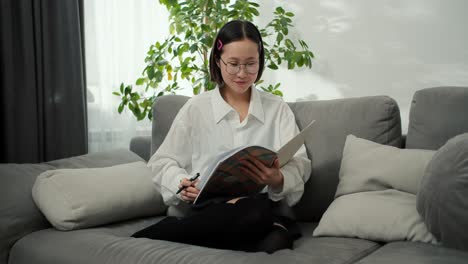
{"x": 262, "y": 174}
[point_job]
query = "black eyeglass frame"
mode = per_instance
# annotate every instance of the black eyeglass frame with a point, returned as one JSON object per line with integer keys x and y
{"x": 239, "y": 67}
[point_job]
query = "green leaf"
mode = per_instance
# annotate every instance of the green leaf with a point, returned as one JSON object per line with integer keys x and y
{"x": 205, "y": 28}
{"x": 210, "y": 86}
{"x": 300, "y": 62}
{"x": 141, "y": 116}
{"x": 128, "y": 89}
{"x": 162, "y": 62}
{"x": 289, "y": 14}
{"x": 196, "y": 89}
{"x": 289, "y": 44}
{"x": 278, "y": 92}
{"x": 121, "y": 107}
{"x": 116, "y": 93}
{"x": 279, "y": 10}
{"x": 158, "y": 76}
{"x": 135, "y": 96}
{"x": 273, "y": 66}
{"x": 193, "y": 48}
{"x": 279, "y": 37}
{"x": 122, "y": 88}
{"x": 150, "y": 72}
{"x": 171, "y": 28}
{"x": 254, "y": 11}
{"x": 140, "y": 81}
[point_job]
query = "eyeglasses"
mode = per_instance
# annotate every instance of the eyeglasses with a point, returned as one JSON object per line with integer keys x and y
{"x": 234, "y": 68}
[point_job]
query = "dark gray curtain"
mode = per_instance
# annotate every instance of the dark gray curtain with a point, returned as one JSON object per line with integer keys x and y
{"x": 42, "y": 80}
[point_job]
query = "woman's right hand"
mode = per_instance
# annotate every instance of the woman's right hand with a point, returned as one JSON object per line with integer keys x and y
{"x": 191, "y": 192}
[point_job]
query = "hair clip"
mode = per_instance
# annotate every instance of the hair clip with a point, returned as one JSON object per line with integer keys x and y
{"x": 220, "y": 45}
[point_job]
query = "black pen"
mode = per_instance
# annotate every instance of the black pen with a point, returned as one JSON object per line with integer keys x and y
{"x": 191, "y": 179}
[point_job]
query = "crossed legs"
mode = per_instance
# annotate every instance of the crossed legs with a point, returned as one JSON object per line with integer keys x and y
{"x": 247, "y": 224}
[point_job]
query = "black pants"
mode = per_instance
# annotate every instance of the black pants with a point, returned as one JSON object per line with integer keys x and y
{"x": 247, "y": 225}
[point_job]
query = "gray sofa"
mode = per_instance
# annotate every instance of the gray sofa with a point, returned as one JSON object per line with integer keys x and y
{"x": 437, "y": 114}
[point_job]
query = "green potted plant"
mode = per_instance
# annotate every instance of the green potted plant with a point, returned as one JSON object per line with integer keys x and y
{"x": 183, "y": 56}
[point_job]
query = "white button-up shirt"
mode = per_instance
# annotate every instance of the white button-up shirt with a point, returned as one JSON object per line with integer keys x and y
{"x": 207, "y": 126}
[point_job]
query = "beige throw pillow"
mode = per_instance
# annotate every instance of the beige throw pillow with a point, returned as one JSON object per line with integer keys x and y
{"x": 376, "y": 194}
{"x": 79, "y": 198}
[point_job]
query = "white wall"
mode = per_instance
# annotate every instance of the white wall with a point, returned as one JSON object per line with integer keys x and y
{"x": 376, "y": 47}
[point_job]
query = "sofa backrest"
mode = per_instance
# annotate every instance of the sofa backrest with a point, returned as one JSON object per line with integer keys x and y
{"x": 19, "y": 215}
{"x": 375, "y": 118}
{"x": 436, "y": 115}
{"x": 165, "y": 109}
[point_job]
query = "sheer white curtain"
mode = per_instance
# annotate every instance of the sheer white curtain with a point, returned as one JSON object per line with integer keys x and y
{"x": 118, "y": 34}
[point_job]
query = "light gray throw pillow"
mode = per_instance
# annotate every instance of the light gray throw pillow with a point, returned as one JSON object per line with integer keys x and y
{"x": 442, "y": 200}
{"x": 376, "y": 194}
{"x": 79, "y": 198}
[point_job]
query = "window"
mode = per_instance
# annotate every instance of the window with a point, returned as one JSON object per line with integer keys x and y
{"x": 118, "y": 34}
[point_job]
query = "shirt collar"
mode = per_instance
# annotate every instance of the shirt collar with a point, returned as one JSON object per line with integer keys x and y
{"x": 221, "y": 108}
{"x": 256, "y": 106}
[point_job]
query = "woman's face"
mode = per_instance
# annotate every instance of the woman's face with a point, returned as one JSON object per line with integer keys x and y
{"x": 241, "y": 54}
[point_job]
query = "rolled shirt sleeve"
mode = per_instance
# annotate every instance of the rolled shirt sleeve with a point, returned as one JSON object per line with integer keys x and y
{"x": 172, "y": 161}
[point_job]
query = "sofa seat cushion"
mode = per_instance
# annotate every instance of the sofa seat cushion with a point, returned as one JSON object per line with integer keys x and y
{"x": 113, "y": 244}
{"x": 414, "y": 253}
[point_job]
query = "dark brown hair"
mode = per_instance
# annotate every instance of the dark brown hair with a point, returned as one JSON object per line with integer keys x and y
{"x": 234, "y": 31}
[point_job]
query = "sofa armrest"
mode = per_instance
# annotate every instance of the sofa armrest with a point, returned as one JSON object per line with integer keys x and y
{"x": 141, "y": 145}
